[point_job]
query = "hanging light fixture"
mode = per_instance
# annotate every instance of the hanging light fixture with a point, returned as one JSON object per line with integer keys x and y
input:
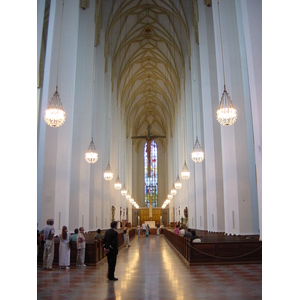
{"x": 226, "y": 113}
{"x": 118, "y": 184}
{"x": 197, "y": 153}
{"x": 185, "y": 173}
{"x": 123, "y": 191}
{"x": 55, "y": 115}
{"x": 108, "y": 173}
{"x": 178, "y": 183}
{"x": 128, "y": 196}
{"x": 91, "y": 156}
{"x": 170, "y": 197}
{"x": 173, "y": 190}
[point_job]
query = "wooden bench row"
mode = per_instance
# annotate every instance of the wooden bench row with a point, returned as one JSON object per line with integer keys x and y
{"x": 242, "y": 250}
{"x": 94, "y": 253}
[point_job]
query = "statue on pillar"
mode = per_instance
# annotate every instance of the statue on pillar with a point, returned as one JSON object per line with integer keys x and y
{"x": 113, "y": 209}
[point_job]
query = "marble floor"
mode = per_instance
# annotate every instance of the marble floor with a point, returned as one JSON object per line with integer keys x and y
{"x": 151, "y": 269}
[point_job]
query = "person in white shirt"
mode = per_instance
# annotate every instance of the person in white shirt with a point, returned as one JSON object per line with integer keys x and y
{"x": 48, "y": 233}
{"x": 81, "y": 248}
{"x": 144, "y": 227}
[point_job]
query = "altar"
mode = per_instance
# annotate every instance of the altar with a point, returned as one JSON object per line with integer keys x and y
{"x": 151, "y": 224}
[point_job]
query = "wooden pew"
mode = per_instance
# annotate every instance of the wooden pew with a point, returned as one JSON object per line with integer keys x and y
{"x": 220, "y": 251}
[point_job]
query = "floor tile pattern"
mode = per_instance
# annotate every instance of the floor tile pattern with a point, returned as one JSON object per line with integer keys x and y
{"x": 150, "y": 269}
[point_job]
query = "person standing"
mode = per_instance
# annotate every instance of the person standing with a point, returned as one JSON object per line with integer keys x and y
{"x": 38, "y": 239}
{"x": 144, "y": 227}
{"x": 110, "y": 244}
{"x": 48, "y": 232}
{"x": 99, "y": 236}
{"x": 74, "y": 236}
{"x": 64, "y": 248}
{"x": 138, "y": 230}
{"x": 81, "y": 248}
{"x": 126, "y": 236}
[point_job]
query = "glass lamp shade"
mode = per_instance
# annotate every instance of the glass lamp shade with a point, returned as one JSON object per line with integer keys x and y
{"x": 91, "y": 156}
{"x": 170, "y": 196}
{"x": 108, "y": 174}
{"x": 55, "y": 115}
{"x": 185, "y": 173}
{"x": 226, "y": 113}
{"x": 128, "y": 196}
{"x": 123, "y": 191}
{"x": 197, "y": 153}
{"x": 118, "y": 184}
{"x": 167, "y": 201}
{"x": 173, "y": 190}
{"x": 178, "y": 184}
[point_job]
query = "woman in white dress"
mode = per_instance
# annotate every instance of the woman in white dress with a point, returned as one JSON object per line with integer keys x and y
{"x": 64, "y": 249}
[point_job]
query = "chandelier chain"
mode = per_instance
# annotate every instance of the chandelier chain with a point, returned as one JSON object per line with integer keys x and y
{"x": 61, "y": 22}
{"x": 221, "y": 45}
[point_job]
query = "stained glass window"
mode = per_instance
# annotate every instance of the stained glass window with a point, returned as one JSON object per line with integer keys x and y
{"x": 150, "y": 174}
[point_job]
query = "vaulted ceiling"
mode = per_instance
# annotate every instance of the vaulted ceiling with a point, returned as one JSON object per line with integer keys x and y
{"x": 149, "y": 43}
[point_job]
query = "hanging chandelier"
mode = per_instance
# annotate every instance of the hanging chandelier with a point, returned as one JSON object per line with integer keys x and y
{"x": 55, "y": 115}
{"x": 108, "y": 174}
{"x": 178, "y": 183}
{"x": 173, "y": 190}
{"x": 118, "y": 184}
{"x": 185, "y": 173}
{"x": 197, "y": 153}
{"x": 128, "y": 196}
{"x": 170, "y": 197}
{"x": 123, "y": 191}
{"x": 91, "y": 156}
{"x": 226, "y": 113}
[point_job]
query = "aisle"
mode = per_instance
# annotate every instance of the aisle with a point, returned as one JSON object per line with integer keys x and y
{"x": 150, "y": 269}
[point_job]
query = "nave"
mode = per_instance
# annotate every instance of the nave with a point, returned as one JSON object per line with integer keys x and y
{"x": 151, "y": 269}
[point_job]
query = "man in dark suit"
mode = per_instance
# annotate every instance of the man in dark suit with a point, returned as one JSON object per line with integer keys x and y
{"x": 111, "y": 249}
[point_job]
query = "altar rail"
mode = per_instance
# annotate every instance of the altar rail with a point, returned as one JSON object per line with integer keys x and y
{"x": 94, "y": 253}
{"x": 239, "y": 250}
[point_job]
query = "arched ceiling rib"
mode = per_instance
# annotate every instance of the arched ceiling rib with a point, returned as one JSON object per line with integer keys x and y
{"x": 148, "y": 42}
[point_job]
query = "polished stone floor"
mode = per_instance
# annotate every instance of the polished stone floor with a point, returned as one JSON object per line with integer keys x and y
{"x": 151, "y": 269}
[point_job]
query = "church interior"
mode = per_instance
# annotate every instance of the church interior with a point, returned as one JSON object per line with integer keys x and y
{"x": 151, "y": 111}
{"x": 139, "y": 84}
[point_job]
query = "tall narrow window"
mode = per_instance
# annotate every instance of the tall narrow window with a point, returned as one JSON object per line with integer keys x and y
{"x": 150, "y": 176}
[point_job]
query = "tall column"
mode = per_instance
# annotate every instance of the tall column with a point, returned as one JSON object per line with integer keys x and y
{"x": 208, "y": 101}
{"x": 235, "y": 144}
{"x": 251, "y": 14}
{"x": 55, "y": 144}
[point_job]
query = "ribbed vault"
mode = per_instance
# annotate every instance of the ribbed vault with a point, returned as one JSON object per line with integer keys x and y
{"x": 148, "y": 42}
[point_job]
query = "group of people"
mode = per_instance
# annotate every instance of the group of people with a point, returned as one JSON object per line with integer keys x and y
{"x": 46, "y": 237}
{"x": 146, "y": 229}
{"x": 189, "y": 233}
{"x": 110, "y": 244}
